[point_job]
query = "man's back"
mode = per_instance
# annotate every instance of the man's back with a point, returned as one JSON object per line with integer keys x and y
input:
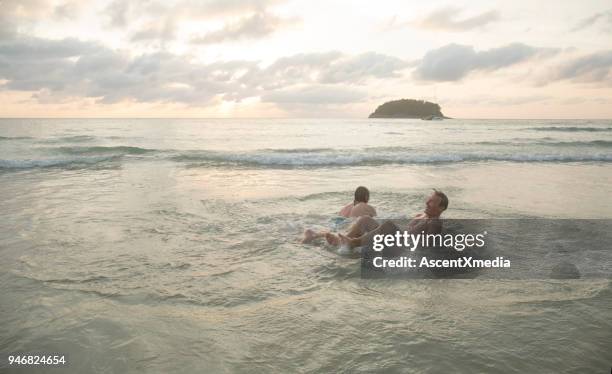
{"x": 362, "y": 209}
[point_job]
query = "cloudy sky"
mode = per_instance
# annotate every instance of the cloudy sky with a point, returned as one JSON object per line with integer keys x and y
{"x": 304, "y": 58}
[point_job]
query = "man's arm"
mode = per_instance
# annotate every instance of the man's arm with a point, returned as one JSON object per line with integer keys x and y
{"x": 346, "y": 211}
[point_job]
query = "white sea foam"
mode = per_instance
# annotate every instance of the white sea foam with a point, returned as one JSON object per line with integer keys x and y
{"x": 295, "y": 159}
{"x": 371, "y": 158}
{"x": 53, "y": 162}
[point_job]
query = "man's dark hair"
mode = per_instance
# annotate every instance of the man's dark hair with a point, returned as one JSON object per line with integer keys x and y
{"x": 362, "y": 195}
{"x": 443, "y": 199}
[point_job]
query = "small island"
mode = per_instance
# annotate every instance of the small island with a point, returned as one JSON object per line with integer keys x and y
{"x": 409, "y": 108}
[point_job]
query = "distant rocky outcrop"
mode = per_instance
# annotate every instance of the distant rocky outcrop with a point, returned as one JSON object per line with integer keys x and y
{"x": 408, "y": 108}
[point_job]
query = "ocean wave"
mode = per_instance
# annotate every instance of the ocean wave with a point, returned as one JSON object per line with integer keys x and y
{"x": 53, "y": 140}
{"x": 271, "y": 159}
{"x": 572, "y": 129}
{"x": 9, "y": 138}
{"x": 315, "y": 157}
{"x": 300, "y": 150}
{"x": 73, "y": 157}
{"x": 66, "y": 162}
{"x": 595, "y": 143}
{"x": 70, "y": 139}
{"x": 547, "y": 142}
{"x": 83, "y": 150}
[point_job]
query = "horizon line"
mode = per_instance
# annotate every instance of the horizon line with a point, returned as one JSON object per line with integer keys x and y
{"x": 237, "y": 118}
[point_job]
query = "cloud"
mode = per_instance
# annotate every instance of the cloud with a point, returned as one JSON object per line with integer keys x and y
{"x": 255, "y": 26}
{"x": 117, "y": 12}
{"x": 291, "y": 70}
{"x": 577, "y": 100}
{"x": 365, "y": 65}
{"x": 592, "y": 68}
{"x": 495, "y": 100}
{"x": 321, "y": 100}
{"x": 68, "y": 10}
{"x": 326, "y": 68}
{"x": 222, "y": 8}
{"x": 600, "y": 18}
{"x": 445, "y": 19}
{"x": 19, "y": 12}
{"x": 160, "y": 20}
{"x": 73, "y": 68}
{"x": 19, "y": 15}
{"x": 70, "y": 67}
{"x": 31, "y": 64}
{"x": 37, "y": 49}
{"x": 454, "y": 61}
{"x": 315, "y": 94}
{"x": 163, "y": 29}
{"x": 304, "y": 60}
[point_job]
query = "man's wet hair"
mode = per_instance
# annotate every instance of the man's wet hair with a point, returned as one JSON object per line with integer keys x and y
{"x": 443, "y": 199}
{"x": 362, "y": 195}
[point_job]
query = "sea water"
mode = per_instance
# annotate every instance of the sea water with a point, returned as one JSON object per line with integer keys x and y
{"x": 172, "y": 245}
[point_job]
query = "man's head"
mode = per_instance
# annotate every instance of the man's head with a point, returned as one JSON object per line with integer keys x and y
{"x": 362, "y": 195}
{"x": 436, "y": 203}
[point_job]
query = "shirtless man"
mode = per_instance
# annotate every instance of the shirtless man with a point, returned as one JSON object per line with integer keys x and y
{"x": 359, "y": 207}
{"x": 362, "y": 231}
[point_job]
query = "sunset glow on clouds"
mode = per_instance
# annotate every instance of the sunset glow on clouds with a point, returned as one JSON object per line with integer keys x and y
{"x": 519, "y": 59}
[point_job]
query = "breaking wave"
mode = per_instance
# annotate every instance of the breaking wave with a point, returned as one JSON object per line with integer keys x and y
{"x": 548, "y": 142}
{"x": 339, "y": 158}
{"x": 74, "y": 156}
{"x": 572, "y": 129}
{"x": 9, "y": 138}
{"x": 70, "y": 157}
{"x": 117, "y": 150}
{"x": 70, "y": 139}
{"x": 65, "y": 162}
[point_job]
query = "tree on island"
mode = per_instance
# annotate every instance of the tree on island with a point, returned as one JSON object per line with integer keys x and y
{"x": 408, "y": 108}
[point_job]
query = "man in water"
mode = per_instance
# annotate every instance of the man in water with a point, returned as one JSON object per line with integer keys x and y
{"x": 364, "y": 229}
{"x": 359, "y": 207}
